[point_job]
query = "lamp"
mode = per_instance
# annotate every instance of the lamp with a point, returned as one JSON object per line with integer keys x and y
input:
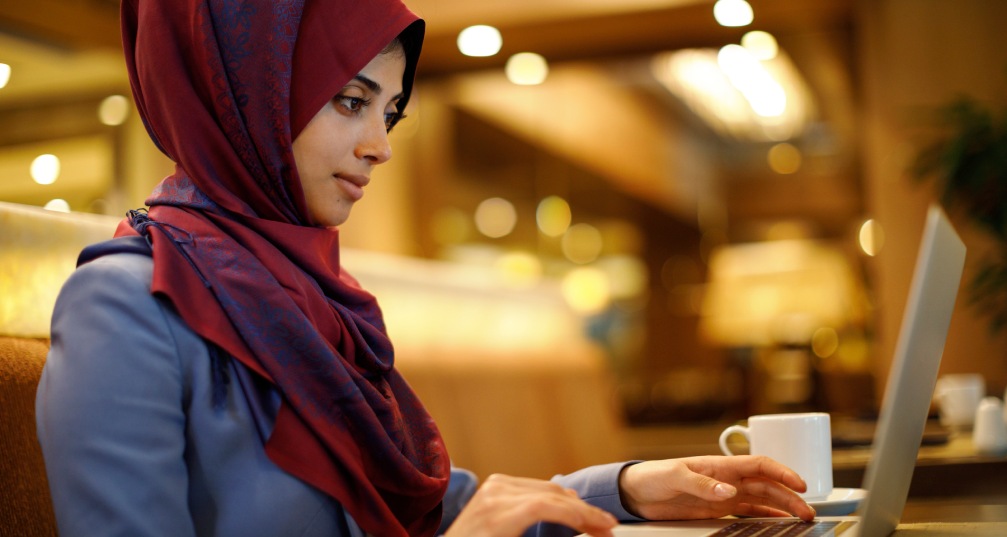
{"x": 38, "y": 251}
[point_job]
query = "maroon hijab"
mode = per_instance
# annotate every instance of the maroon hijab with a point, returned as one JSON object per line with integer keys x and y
{"x": 224, "y": 86}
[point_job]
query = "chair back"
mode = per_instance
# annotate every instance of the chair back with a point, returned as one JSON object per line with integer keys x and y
{"x": 38, "y": 252}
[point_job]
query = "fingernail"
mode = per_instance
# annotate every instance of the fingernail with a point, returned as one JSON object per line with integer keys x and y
{"x": 724, "y": 491}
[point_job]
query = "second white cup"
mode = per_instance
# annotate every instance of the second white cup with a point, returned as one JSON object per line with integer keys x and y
{"x": 802, "y": 441}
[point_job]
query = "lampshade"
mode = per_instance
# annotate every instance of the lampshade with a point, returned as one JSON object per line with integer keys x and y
{"x": 38, "y": 251}
{"x": 778, "y": 291}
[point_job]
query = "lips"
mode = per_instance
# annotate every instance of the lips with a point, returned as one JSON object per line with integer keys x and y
{"x": 353, "y": 185}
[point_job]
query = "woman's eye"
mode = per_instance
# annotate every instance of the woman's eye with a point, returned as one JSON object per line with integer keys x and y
{"x": 353, "y": 104}
{"x": 392, "y": 118}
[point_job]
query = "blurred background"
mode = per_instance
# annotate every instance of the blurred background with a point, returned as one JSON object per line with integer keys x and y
{"x": 636, "y": 214}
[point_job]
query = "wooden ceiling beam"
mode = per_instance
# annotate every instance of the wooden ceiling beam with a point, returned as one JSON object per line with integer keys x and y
{"x": 631, "y": 33}
{"x": 72, "y": 24}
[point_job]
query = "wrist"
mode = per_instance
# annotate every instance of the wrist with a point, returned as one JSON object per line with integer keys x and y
{"x": 626, "y": 486}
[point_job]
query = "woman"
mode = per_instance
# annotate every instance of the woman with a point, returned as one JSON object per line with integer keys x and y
{"x": 214, "y": 372}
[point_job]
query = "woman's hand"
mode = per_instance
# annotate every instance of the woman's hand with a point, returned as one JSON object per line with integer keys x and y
{"x": 506, "y": 506}
{"x": 712, "y": 487}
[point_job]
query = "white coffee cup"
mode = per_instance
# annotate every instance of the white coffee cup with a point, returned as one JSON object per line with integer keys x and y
{"x": 958, "y": 398}
{"x": 802, "y": 441}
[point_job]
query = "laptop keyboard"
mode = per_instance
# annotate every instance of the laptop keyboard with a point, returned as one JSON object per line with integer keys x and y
{"x": 789, "y": 528}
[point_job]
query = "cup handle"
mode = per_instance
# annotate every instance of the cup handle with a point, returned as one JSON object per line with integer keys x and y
{"x": 734, "y": 429}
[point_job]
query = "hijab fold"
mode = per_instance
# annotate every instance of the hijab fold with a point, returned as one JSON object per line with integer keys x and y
{"x": 224, "y": 87}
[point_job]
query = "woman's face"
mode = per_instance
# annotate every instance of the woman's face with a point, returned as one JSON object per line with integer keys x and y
{"x": 348, "y": 137}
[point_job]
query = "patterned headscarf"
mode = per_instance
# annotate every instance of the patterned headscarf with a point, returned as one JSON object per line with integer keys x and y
{"x": 224, "y": 87}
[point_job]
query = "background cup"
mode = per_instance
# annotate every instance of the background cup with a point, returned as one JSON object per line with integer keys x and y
{"x": 958, "y": 398}
{"x": 801, "y": 441}
{"x": 989, "y": 436}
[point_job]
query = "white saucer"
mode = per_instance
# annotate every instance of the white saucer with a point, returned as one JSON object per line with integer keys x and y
{"x": 841, "y": 502}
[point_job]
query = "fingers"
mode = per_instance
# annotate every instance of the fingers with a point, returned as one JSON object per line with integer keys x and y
{"x": 505, "y": 506}
{"x": 768, "y": 492}
{"x": 771, "y": 469}
{"x": 768, "y": 495}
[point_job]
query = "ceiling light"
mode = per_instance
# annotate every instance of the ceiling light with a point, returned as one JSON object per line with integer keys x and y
{"x": 527, "y": 69}
{"x": 761, "y": 90}
{"x": 480, "y": 41}
{"x": 553, "y": 216}
{"x": 495, "y": 217}
{"x": 761, "y": 45}
{"x": 113, "y": 110}
{"x": 4, "y": 74}
{"x": 784, "y": 158}
{"x": 58, "y": 205}
{"x": 736, "y": 94}
{"x": 45, "y": 169}
{"x": 733, "y": 13}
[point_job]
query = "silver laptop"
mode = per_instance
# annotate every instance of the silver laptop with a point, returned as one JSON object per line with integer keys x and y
{"x": 903, "y": 411}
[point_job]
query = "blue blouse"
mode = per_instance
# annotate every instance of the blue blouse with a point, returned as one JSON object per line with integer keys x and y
{"x": 135, "y": 444}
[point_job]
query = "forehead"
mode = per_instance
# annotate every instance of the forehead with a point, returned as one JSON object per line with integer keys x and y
{"x": 387, "y": 69}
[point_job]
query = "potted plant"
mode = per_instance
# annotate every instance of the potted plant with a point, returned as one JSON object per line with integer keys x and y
{"x": 969, "y": 164}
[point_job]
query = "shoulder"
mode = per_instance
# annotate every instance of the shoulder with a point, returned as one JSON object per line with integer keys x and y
{"x": 124, "y": 270}
{"x": 106, "y": 309}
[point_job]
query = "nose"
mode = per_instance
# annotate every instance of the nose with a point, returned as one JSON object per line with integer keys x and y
{"x": 373, "y": 145}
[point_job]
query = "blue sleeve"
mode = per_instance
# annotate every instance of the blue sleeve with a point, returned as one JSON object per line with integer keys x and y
{"x": 596, "y": 485}
{"x": 110, "y": 409}
{"x": 462, "y": 486}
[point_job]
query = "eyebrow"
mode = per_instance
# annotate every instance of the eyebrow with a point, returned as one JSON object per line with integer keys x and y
{"x": 372, "y": 85}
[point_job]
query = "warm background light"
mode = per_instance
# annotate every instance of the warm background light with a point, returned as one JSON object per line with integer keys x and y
{"x": 553, "y": 216}
{"x": 4, "y": 74}
{"x": 495, "y": 217}
{"x": 480, "y": 41}
{"x": 586, "y": 290}
{"x": 58, "y": 205}
{"x": 762, "y": 45}
{"x": 519, "y": 269}
{"x": 748, "y": 75}
{"x": 113, "y": 110}
{"x": 733, "y": 13}
{"x": 872, "y": 237}
{"x": 45, "y": 169}
{"x": 527, "y": 69}
{"x": 582, "y": 243}
{"x": 784, "y": 158}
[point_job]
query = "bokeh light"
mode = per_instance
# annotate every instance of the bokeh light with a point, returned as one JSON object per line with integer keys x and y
{"x": 760, "y": 44}
{"x": 553, "y": 216}
{"x": 586, "y": 289}
{"x": 824, "y": 342}
{"x": 872, "y": 237}
{"x": 113, "y": 110}
{"x": 784, "y": 158}
{"x": 480, "y": 41}
{"x": 581, "y": 243}
{"x": 59, "y": 205}
{"x": 733, "y": 13}
{"x": 527, "y": 69}
{"x": 45, "y": 169}
{"x": 495, "y": 217}
{"x": 520, "y": 269}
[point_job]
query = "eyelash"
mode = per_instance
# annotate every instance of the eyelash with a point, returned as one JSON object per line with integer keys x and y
{"x": 355, "y": 105}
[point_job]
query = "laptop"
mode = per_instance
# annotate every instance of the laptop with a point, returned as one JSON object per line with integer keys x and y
{"x": 904, "y": 408}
